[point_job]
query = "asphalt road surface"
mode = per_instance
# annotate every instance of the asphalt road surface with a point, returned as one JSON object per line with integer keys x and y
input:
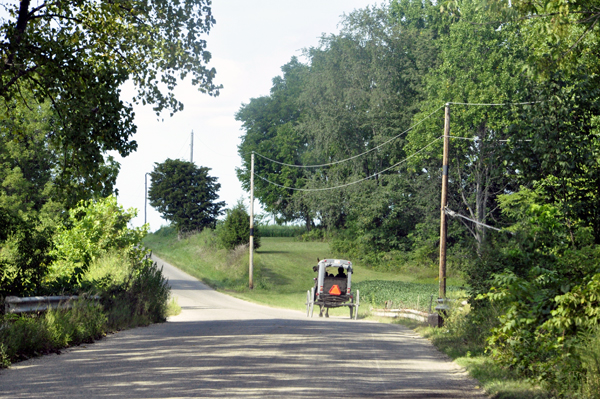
{"x": 222, "y": 347}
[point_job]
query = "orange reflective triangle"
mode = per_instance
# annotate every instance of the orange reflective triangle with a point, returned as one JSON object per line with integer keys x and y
{"x": 335, "y": 290}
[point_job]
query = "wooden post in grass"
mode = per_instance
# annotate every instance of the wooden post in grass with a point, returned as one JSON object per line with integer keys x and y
{"x": 443, "y": 225}
{"x": 251, "y": 265}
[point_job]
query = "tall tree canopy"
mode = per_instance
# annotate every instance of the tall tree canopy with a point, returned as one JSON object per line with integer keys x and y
{"x": 76, "y": 55}
{"x": 185, "y": 195}
{"x": 522, "y": 80}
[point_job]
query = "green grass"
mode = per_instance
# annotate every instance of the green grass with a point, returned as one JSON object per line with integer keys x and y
{"x": 282, "y": 267}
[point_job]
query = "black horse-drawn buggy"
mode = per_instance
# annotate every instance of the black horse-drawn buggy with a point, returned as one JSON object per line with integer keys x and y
{"x": 332, "y": 291}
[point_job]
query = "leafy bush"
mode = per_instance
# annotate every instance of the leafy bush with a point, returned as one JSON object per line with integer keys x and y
{"x": 589, "y": 350}
{"x": 548, "y": 293}
{"x": 25, "y": 242}
{"x": 314, "y": 235}
{"x": 92, "y": 229}
{"x": 235, "y": 229}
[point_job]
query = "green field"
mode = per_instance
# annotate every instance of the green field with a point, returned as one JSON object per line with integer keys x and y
{"x": 283, "y": 271}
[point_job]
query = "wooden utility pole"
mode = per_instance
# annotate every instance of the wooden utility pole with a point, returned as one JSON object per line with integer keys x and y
{"x": 145, "y": 196}
{"x": 443, "y": 226}
{"x": 192, "y": 148}
{"x": 251, "y": 266}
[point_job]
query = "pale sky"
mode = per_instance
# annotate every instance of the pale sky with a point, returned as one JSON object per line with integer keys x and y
{"x": 249, "y": 43}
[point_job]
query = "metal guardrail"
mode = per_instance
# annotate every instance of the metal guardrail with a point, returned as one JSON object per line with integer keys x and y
{"x": 13, "y": 304}
{"x": 429, "y": 318}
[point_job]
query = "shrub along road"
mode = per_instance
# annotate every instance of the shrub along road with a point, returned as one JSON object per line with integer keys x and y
{"x": 223, "y": 347}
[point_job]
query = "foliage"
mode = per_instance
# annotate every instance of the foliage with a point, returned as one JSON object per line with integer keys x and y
{"x": 555, "y": 143}
{"x": 550, "y": 275}
{"x": 314, "y": 235}
{"x": 26, "y": 336}
{"x": 270, "y": 125}
{"x": 34, "y": 194}
{"x": 132, "y": 294}
{"x": 589, "y": 350}
{"x": 562, "y": 34}
{"x": 95, "y": 47}
{"x": 141, "y": 300}
{"x": 185, "y": 195}
{"x": 235, "y": 229}
{"x": 93, "y": 229}
{"x": 24, "y": 258}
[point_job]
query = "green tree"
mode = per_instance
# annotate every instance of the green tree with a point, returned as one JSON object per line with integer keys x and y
{"x": 185, "y": 195}
{"x": 270, "y": 129}
{"x": 555, "y": 143}
{"x": 235, "y": 229}
{"x": 34, "y": 193}
{"x": 480, "y": 65}
{"x": 75, "y": 56}
{"x": 563, "y": 34}
{"x": 60, "y": 47}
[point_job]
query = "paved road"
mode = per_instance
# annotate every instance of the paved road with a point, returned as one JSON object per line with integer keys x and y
{"x": 222, "y": 347}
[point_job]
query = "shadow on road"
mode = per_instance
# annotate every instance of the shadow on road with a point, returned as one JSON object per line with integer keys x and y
{"x": 248, "y": 359}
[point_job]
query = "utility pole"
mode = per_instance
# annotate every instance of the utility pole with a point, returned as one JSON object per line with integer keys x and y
{"x": 145, "y": 195}
{"x": 192, "y": 148}
{"x": 443, "y": 225}
{"x": 251, "y": 267}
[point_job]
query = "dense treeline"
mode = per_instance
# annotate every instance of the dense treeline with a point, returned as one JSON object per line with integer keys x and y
{"x": 62, "y": 66}
{"x": 373, "y": 94}
{"x": 61, "y": 112}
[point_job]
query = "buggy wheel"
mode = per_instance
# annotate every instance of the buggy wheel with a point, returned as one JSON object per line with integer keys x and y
{"x": 312, "y": 300}
{"x": 357, "y": 304}
{"x": 307, "y": 303}
{"x": 351, "y": 311}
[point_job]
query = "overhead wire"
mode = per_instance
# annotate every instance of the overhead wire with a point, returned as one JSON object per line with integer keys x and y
{"x": 181, "y": 149}
{"x": 495, "y": 104}
{"x": 354, "y": 182}
{"x": 479, "y": 139}
{"x": 354, "y": 156}
{"x": 451, "y": 213}
{"x": 379, "y": 146}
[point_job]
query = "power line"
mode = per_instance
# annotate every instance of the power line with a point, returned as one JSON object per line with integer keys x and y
{"x": 496, "y": 104}
{"x": 354, "y": 182}
{"x": 355, "y": 156}
{"x": 181, "y": 149}
{"x": 454, "y": 214}
{"x": 479, "y": 139}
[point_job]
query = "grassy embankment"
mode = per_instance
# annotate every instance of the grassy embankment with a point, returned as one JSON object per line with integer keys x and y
{"x": 283, "y": 273}
{"x": 282, "y": 270}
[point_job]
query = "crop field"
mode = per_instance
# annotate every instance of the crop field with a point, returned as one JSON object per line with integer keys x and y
{"x": 401, "y": 294}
